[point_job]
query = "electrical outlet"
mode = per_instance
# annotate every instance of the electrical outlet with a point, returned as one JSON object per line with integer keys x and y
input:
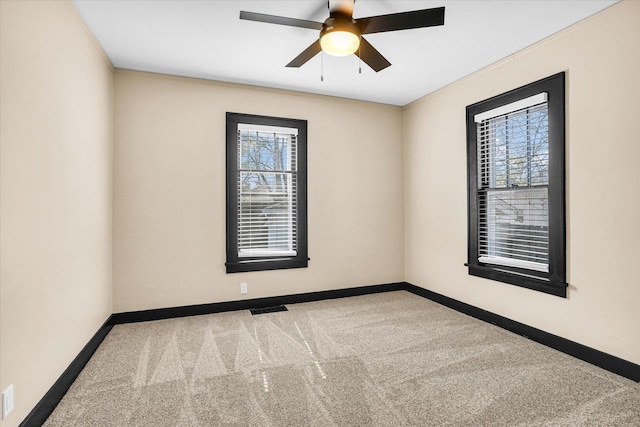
{"x": 7, "y": 401}
{"x": 243, "y": 288}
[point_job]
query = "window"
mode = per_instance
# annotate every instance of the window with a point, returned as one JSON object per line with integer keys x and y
{"x": 516, "y": 161}
{"x": 266, "y": 193}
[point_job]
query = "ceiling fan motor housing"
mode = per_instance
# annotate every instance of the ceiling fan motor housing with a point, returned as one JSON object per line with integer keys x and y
{"x": 340, "y": 21}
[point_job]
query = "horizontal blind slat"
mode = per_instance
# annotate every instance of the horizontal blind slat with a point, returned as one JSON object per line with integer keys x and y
{"x": 512, "y": 158}
{"x": 267, "y": 191}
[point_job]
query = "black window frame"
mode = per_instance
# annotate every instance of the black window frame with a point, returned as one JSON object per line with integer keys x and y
{"x": 235, "y": 264}
{"x": 553, "y": 282}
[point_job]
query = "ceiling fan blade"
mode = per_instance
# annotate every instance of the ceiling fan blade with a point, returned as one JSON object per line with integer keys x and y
{"x": 371, "y": 56}
{"x": 401, "y": 21}
{"x": 280, "y": 20}
{"x": 306, "y": 55}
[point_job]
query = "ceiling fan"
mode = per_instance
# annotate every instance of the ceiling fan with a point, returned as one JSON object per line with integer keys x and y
{"x": 341, "y": 35}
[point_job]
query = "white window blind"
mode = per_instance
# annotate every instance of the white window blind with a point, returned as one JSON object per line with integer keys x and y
{"x": 267, "y": 190}
{"x": 513, "y": 178}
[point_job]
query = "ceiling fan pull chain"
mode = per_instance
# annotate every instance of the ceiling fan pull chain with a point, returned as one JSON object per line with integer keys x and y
{"x": 321, "y": 66}
{"x": 360, "y": 56}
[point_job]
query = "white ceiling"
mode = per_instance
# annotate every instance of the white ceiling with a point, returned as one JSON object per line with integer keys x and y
{"x": 206, "y": 39}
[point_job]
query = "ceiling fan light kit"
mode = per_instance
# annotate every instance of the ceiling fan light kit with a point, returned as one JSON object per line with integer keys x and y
{"x": 341, "y": 35}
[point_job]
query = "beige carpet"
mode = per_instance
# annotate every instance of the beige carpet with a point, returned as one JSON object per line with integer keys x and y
{"x": 388, "y": 359}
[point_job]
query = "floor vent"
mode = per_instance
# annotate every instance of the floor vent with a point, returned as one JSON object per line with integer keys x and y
{"x": 268, "y": 309}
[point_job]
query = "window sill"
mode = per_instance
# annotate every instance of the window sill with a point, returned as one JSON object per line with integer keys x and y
{"x": 526, "y": 281}
{"x": 266, "y": 264}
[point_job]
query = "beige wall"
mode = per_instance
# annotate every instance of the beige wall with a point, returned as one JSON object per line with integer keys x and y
{"x": 169, "y": 192}
{"x": 55, "y": 195}
{"x": 601, "y": 58}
